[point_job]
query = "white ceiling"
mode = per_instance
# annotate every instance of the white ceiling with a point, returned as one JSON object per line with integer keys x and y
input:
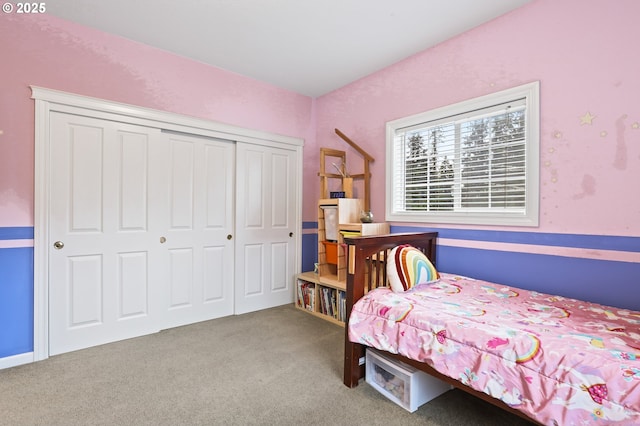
{"x": 307, "y": 46}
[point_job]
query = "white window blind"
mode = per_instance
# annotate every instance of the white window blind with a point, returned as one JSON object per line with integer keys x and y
{"x": 474, "y": 162}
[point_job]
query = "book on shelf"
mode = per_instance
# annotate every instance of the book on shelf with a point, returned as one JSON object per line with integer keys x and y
{"x": 342, "y": 306}
{"x": 327, "y": 304}
{"x": 325, "y": 307}
{"x": 325, "y": 310}
{"x": 334, "y": 305}
{"x": 306, "y": 295}
{"x": 321, "y": 307}
{"x": 348, "y": 234}
{"x": 311, "y": 297}
{"x": 299, "y": 295}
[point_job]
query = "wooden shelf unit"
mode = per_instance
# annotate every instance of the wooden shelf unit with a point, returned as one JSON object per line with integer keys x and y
{"x": 315, "y": 292}
{"x": 326, "y": 300}
{"x": 347, "y": 219}
{"x": 348, "y": 211}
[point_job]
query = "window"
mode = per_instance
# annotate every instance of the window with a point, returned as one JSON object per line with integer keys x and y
{"x": 475, "y": 162}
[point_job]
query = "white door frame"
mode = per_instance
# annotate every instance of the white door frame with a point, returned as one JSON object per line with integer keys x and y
{"x": 48, "y": 100}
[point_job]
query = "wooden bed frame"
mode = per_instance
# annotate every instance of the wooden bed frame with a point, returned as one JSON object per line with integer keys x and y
{"x": 366, "y": 270}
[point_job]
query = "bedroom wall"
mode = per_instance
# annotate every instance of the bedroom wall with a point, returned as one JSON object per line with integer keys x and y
{"x": 48, "y": 52}
{"x": 584, "y": 55}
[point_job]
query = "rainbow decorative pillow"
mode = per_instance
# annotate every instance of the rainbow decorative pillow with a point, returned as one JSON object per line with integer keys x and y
{"x": 407, "y": 267}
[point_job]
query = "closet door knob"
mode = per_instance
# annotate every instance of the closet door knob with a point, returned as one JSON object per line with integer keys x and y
{"x": 290, "y": 234}
{"x": 229, "y": 237}
{"x": 58, "y": 245}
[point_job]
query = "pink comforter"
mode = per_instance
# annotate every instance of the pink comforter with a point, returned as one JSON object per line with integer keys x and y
{"x": 560, "y": 361}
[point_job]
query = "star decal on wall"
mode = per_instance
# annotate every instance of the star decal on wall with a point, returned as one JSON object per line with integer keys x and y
{"x": 587, "y": 118}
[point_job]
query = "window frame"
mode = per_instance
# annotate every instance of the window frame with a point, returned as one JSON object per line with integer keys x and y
{"x": 531, "y": 93}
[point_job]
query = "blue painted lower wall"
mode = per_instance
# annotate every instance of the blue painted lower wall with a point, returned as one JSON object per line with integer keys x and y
{"x": 309, "y": 251}
{"x": 16, "y": 301}
{"x": 608, "y": 282}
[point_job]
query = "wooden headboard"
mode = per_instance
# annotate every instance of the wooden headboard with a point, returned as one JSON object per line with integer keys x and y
{"x": 367, "y": 269}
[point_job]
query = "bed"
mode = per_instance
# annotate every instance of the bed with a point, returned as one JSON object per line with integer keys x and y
{"x": 549, "y": 359}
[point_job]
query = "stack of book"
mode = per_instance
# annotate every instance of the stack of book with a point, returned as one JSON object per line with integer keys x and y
{"x": 349, "y": 234}
{"x": 306, "y": 295}
{"x": 328, "y": 302}
{"x": 342, "y": 306}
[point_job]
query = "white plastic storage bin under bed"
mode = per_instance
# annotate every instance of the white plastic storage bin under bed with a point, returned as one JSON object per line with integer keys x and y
{"x": 401, "y": 383}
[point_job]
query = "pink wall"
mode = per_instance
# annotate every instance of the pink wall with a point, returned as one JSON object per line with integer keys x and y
{"x": 583, "y": 53}
{"x": 49, "y": 52}
{"x": 585, "y": 56}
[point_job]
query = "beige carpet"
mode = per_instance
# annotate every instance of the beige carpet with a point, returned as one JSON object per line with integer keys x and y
{"x": 279, "y": 366}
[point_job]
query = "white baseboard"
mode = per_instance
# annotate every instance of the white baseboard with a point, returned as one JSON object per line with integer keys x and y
{"x": 14, "y": 360}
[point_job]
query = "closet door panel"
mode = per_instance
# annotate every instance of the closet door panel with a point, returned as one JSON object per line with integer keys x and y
{"x": 182, "y": 176}
{"x": 134, "y": 183}
{"x": 103, "y": 251}
{"x": 200, "y": 235}
{"x": 265, "y": 227}
{"x": 214, "y": 278}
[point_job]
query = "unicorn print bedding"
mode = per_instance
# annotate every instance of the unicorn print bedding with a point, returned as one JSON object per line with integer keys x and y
{"x": 560, "y": 361}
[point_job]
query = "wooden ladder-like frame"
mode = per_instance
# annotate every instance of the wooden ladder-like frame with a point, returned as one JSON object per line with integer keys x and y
{"x": 346, "y": 178}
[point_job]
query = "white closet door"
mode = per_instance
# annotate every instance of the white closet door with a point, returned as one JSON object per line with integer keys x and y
{"x": 105, "y": 253}
{"x": 265, "y": 226}
{"x": 200, "y": 262}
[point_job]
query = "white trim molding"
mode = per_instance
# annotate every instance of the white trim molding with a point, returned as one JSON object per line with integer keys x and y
{"x": 67, "y": 102}
{"x": 15, "y": 360}
{"x": 526, "y": 96}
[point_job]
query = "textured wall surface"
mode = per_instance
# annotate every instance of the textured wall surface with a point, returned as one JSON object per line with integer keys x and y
{"x": 45, "y": 51}
{"x": 583, "y": 55}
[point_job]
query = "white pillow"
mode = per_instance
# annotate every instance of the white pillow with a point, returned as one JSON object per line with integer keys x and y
{"x": 407, "y": 267}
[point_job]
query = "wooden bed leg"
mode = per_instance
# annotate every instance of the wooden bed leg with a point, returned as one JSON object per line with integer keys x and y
{"x": 352, "y": 370}
{"x": 355, "y": 290}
